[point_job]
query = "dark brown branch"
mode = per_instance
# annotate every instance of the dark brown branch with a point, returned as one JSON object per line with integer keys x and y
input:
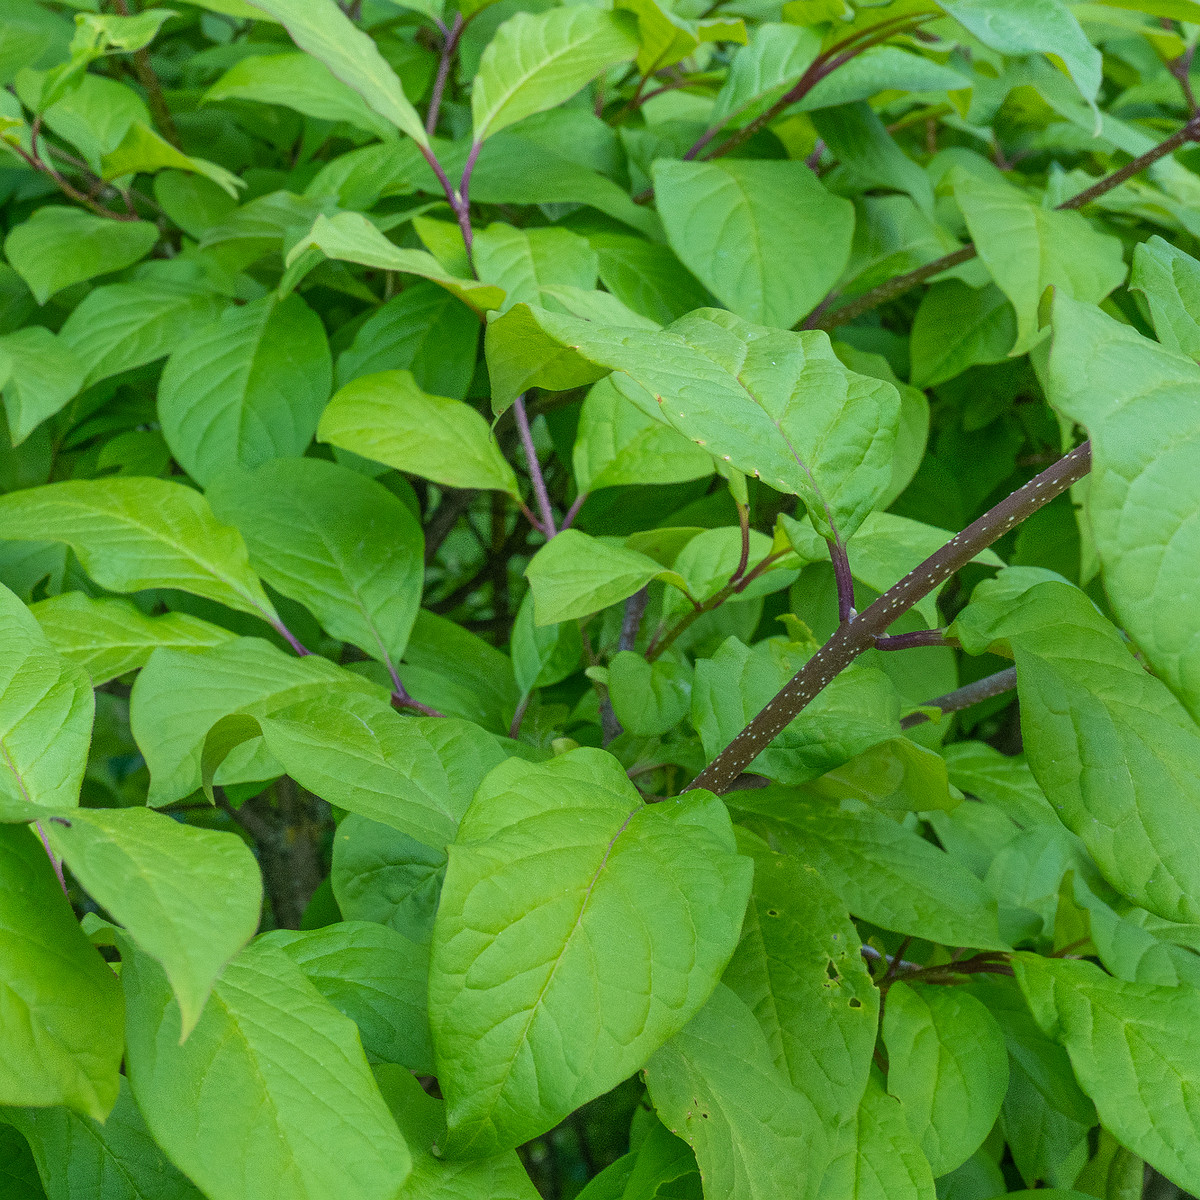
{"x": 821, "y": 318}
{"x": 853, "y": 637}
{"x": 964, "y": 697}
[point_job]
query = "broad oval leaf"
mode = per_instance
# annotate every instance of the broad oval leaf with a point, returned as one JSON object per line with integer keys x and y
{"x": 537, "y": 61}
{"x": 733, "y": 221}
{"x": 180, "y": 695}
{"x": 190, "y": 898}
{"x": 80, "y": 1157}
{"x": 339, "y": 543}
{"x": 947, "y": 1065}
{"x": 388, "y": 418}
{"x": 1117, "y": 755}
{"x": 136, "y": 533}
{"x": 373, "y": 975}
{"x": 46, "y": 708}
{"x": 575, "y": 575}
{"x": 772, "y": 403}
{"x": 60, "y": 246}
{"x": 127, "y": 325}
{"x": 557, "y": 863}
{"x": 716, "y": 1085}
{"x": 1141, "y": 405}
{"x": 271, "y": 1061}
{"x": 799, "y": 968}
{"x": 109, "y": 637}
{"x": 416, "y": 774}
{"x": 884, "y": 873}
{"x": 39, "y": 374}
{"x": 320, "y": 28}
{"x": 246, "y": 388}
{"x": 60, "y": 1040}
{"x": 1134, "y": 1050}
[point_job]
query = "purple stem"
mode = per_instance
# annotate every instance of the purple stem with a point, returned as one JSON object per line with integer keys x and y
{"x": 964, "y": 697}
{"x": 573, "y": 511}
{"x": 449, "y": 45}
{"x": 289, "y": 637}
{"x": 906, "y": 641}
{"x": 845, "y": 580}
{"x": 535, "y": 469}
{"x": 62, "y": 883}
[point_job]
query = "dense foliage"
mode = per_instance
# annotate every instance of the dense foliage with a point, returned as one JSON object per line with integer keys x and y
{"x": 491, "y": 700}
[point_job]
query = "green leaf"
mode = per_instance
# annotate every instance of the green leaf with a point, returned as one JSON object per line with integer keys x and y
{"x": 190, "y": 898}
{"x": 1115, "y": 752}
{"x": 774, "y": 60}
{"x": 383, "y": 875}
{"x": 734, "y": 220}
{"x": 297, "y": 81}
{"x": 416, "y": 774}
{"x": 649, "y": 698}
{"x": 1136, "y": 400}
{"x": 425, "y": 330}
{"x": 715, "y": 1084}
{"x": 1027, "y": 249}
{"x": 773, "y": 404}
{"x": 882, "y": 69}
{"x": 373, "y": 975}
{"x": 948, "y": 1067}
{"x": 868, "y": 156}
{"x": 543, "y": 655}
{"x": 127, "y": 325}
{"x": 957, "y": 327}
{"x": 350, "y": 236}
{"x": 896, "y": 775}
{"x": 39, "y": 373}
{"x": 617, "y": 444}
{"x": 46, "y": 708}
{"x": 388, "y": 418}
{"x": 799, "y": 970}
{"x": 884, "y": 873}
{"x": 180, "y": 695}
{"x": 94, "y": 117}
{"x": 647, "y": 277}
{"x": 525, "y": 261}
{"x": 60, "y": 1042}
{"x": 270, "y": 1062}
{"x": 537, "y": 61}
{"x": 79, "y": 1157}
{"x": 575, "y": 575}
{"x": 18, "y": 1172}
{"x": 556, "y": 862}
{"x": 1002, "y": 780}
{"x": 246, "y": 388}
{"x": 858, "y": 709}
{"x": 320, "y": 28}
{"x": 422, "y": 1119}
{"x": 108, "y": 638}
{"x": 876, "y": 1157}
{"x": 60, "y": 246}
{"x": 130, "y": 534}
{"x": 1133, "y": 1049}
{"x": 144, "y": 152}
{"x": 667, "y": 37}
{"x": 1170, "y": 281}
{"x": 1020, "y": 27}
{"x": 339, "y": 543}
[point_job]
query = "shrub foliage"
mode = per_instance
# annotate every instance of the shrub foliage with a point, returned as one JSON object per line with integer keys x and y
{"x": 599, "y": 600}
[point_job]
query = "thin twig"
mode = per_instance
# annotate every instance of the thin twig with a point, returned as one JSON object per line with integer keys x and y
{"x": 449, "y": 46}
{"x": 908, "y": 641}
{"x": 154, "y": 93}
{"x": 844, "y": 579}
{"x": 852, "y": 638}
{"x": 289, "y": 637}
{"x": 572, "y": 512}
{"x": 964, "y": 697}
{"x": 635, "y": 609}
{"x": 54, "y": 860}
{"x": 535, "y": 468}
